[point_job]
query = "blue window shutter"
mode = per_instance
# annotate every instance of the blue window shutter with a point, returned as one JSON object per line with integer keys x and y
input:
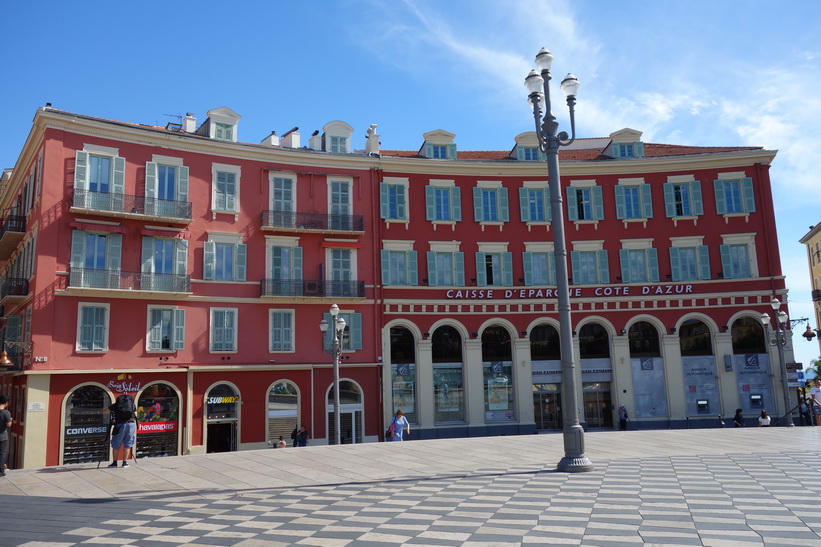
{"x": 456, "y": 200}
{"x": 647, "y": 200}
{"x": 428, "y": 150}
{"x": 430, "y": 202}
{"x": 384, "y": 203}
{"x": 231, "y": 192}
{"x": 413, "y": 269}
{"x": 287, "y": 331}
{"x": 242, "y": 252}
{"x": 704, "y": 261}
{"x": 639, "y": 148}
{"x": 524, "y": 206}
{"x": 181, "y": 263}
{"x": 598, "y": 203}
{"x": 551, "y": 267}
{"x": 620, "y": 210}
{"x": 726, "y": 262}
{"x": 675, "y": 264}
{"x": 230, "y": 329}
{"x": 86, "y": 327}
{"x": 400, "y": 202}
{"x": 179, "y": 329}
{"x": 624, "y": 259}
{"x": 604, "y": 267}
{"x": 329, "y": 334}
{"x": 459, "y": 260}
{"x": 150, "y": 179}
{"x": 547, "y": 205}
{"x": 481, "y": 276}
{"x": 507, "y": 264}
{"x": 182, "y": 184}
{"x": 670, "y": 199}
{"x": 477, "y": 204}
{"x": 527, "y": 259}
{"x": 78, "y": 249}
{"x": 148, "y": 255}
{"x": 698, "y": 206}
{"x": 542, "y": 155}
{"x": 118, "y": 182}
{"x": 386, "y": 267}
{"x": 616, "y": 150}
{"x": 576, "y": 266}
{"x": 505, "y": 213}
{"x": 572, "y": 204}
{"x": 297, "y": 257}
{"x": 520, "y": 153}
{"x": 749, "y": 197}
{"x": 451, "y": 151}
{"x": 154, "y": 336}
{"x": 98, "y": 336}
{"x": 721, "y": 200}
{"x": 431, "y": 268}
{"x": 115, "y": 253}
{"x": 356, "y": 331}
{"x": 653, "y": 263}
{"x": 81, "y": 170}
{"x": 209, "y": 258}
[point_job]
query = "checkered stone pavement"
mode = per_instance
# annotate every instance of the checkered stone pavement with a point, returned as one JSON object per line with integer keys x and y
{"x": 717, "y": 500}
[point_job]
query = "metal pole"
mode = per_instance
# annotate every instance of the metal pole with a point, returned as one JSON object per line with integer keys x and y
{"x": 781, "y": 341}
{"x": 337, "y": 349}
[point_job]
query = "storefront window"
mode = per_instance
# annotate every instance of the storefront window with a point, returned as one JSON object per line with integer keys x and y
{"x": 644, "y": 340}
{"x": 448, "y": 393}
{"x": 748, "y": 336}
{"x": 350, "y": 419}
{"x": 694, "y": 337}
{"x": 86, "y": 427}
{"x": 498, "y": 380}
{"x": 283, "y": 410}
{"x": 593, "y": 342}
{"x": 222, "y": 403}
{"x": 544, "y": 344}
{"x": 403, "y": 372}
{"x": 157, "y": 421}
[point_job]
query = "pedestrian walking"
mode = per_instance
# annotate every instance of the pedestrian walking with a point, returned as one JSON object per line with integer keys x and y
{"x": 5, "y": 425}
{"x": 399, "y": 426}
{"x": 738, "y": 419}
{"x": 302, "y": 436}
{"x": 764, "y": 419}
{"x": 623, "y": 418}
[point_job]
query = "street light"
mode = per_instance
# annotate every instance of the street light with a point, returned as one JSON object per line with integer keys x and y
{"x": 538, "y": 87}
{"x": 336, "y": 351}
{"x": 780, "y": 340}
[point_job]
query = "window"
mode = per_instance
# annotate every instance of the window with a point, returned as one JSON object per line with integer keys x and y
{"x": 639, "y": 265}
{"x": 225, "y": 192}
{"x": 399, "y": 267}
{"x": 99, "y": 179}
{"x": 340, "y": 204}
{"x": 633, "y": 201}
{"x": 282, "y": 330}
{"x": 540, "y": 268}
{"x": 683, "y": 199}
{"x": 223, "y": 329}
{"x": 224, "y": 259}
{"x": 534, "y": 204}
{"x": 734, "y": 196}
{"x": 283, "y": 261}
{"x": 166, "y": 329}
{"x": 490, "y": 203}
{"x": 351, "y": 336}
{"x": 440, "y": 151}
{"x": 224, "y": 131}
{"x": 494, "y": 269}
{"x": 95, "y": 259}
{"x": 165, "y": 182}
{"x": 443, "y": 203}
{"x": 529, "y": 153}
{"x": 339, "y": 145}
{"x": 628, "y": 150}
{"x": 164, "y": 264}
{"x": 446, "y": 269}
{"x": 282, "y": 194}
{"x": 690, "y": 263}
{"x": 92, "y": 328}
{"x": 342, "y": 268}
{"x": 585, "y": 203}
{"x": 735, "y": 261}
{"x": 392, "y": 201}
{"x": 589, "y": 267}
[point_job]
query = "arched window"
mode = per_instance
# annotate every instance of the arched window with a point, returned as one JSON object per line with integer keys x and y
{"x": 403, "y": 345}
{"x": 158, "y": 421}
{"x": 694, "y": 338}
{"x": 643, "y": 339}
{"x": 544, "y": 344}
{"x": 748, "y": 336}
{"x": 86, "y": 429}
{"x": 350, "y": 404}
{"x": 448, "y": 376}
{"x": 593, "y": 342}
{"x": 403, "y": 372}
{"x": 496, "y": 344}
{"x": 283, "y": 410}
{"x": 446, "y": 345}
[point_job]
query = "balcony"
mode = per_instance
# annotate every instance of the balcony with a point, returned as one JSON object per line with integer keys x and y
{"x": 88, "y": 278}
{"x": 12, "y": 231}
{"x": 16, "y": 358}
{"x": 816, "y": 296}
{"x": 127, "y": 206}
{"x": 311, "y": 288}
{"x": 305, "y": 222}
{"x": 14, "y": 291}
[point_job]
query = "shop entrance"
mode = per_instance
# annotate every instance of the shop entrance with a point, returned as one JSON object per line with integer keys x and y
{"x": 222, "y": 437}
{"x": 85, "y": 435}
{"x": 222, "y": 410}
{"x": 350, "y": 422}
{"x": 547, "y": 406}
{"x": 598, "y": 411}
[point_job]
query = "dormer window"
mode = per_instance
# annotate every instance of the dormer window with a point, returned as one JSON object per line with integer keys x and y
{"x": 439, "y": 145}
{"x": 628, "y": 150}
{"x": 221, "y": 124}
{"x": 527, "y": 147}
{"x": 223, "y": 132}
{"x": 438, "y": 151}
{"x": 339, "y": 145}
{"x": 336, "y": 137}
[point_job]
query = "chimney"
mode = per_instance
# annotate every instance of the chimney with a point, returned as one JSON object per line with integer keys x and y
{"x": 271, "y": 140}
{"x": 189, "y": 123}
{"x": 291, "y": 138}
{"x": 315, "y": 142}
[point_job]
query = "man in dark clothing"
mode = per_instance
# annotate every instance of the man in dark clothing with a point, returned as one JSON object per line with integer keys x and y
{"x": 125, "y": 429}
{"x": 5, "y": 424}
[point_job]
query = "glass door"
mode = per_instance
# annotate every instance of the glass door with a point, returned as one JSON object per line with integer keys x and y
{"x": 547, "y": 405}
{"x": 598, "y": 410}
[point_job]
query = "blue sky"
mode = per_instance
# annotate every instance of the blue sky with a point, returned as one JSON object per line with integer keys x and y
{"x": 716, "y": 73}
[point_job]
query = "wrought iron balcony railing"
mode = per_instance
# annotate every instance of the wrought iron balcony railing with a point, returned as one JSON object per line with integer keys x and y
{"x": 312, "y": 221}
{"x": 137, "y": 205}
{"x": 14, "y": 286}
{"x": 13, "y": 223}
{"x": 88, "y": 278}
{"x": 310, "y": 287}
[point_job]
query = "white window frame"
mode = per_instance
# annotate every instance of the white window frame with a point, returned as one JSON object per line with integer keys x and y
{"x": 398, "y": 182}
{"x": 227, "y": 239}
{"x": 211, "y": 330}
{"x": 80, "y": 307}
{"x": 451, "y": 187}
{"x": 544, "y": 186}
{"x": 174, "y": 341}
{"x": 292, "y": 341}
{"x": 585, "y": 247}
{"x": 451, "y": 248}
{"x": 502, "y": 204}
{"x": 739, "y": 177}
{"x": 747, "y": 239}
{"x": 225, "y": 168}
{"x": 288, "y": 175}
{"x": 405, "y": 247}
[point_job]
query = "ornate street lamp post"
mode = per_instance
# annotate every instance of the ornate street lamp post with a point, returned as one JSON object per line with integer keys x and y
{"x": 780, "y": 332}
{"x": 538, "y": 87}
{"x": 336, "y": 351}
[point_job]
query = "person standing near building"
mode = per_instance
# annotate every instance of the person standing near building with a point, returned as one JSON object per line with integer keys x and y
{"x": 302, "y": 436}
{"x": 815, "y": 400}
{"x": 400, "y": 426}
{"x": 125, "y": 428}
{"x": 622, "y": 418}
{"x": 764, "y": 419}
{"x": 738, "y": 419}
{"x": 5, "y": 425}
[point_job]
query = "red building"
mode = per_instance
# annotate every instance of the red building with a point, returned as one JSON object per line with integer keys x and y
{"x": 192, "y": 270}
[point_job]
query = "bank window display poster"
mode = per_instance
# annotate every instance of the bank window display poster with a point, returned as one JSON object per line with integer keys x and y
{"x": 700, "y": 390}
{"x": 754, "y": 384}
{"x": 404, "y": 389}
{"x": 498, "y": 377}
{"x": 448, "y": 393}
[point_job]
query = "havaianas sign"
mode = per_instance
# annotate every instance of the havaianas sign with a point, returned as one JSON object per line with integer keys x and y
{"x": 579, "y": 292}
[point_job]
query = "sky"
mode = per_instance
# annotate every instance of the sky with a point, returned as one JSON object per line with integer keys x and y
{"x": 711, "y": 73}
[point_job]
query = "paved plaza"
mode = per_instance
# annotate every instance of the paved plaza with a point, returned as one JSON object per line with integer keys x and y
{"x": 751, "y": 486}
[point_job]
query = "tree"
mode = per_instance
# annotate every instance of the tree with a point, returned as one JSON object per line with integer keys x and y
{"x": 813, "y": 371}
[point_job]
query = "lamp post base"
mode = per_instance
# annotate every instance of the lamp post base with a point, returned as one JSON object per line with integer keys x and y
{"x": 574, "y": 460}
{"x": 578, "y": 464}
